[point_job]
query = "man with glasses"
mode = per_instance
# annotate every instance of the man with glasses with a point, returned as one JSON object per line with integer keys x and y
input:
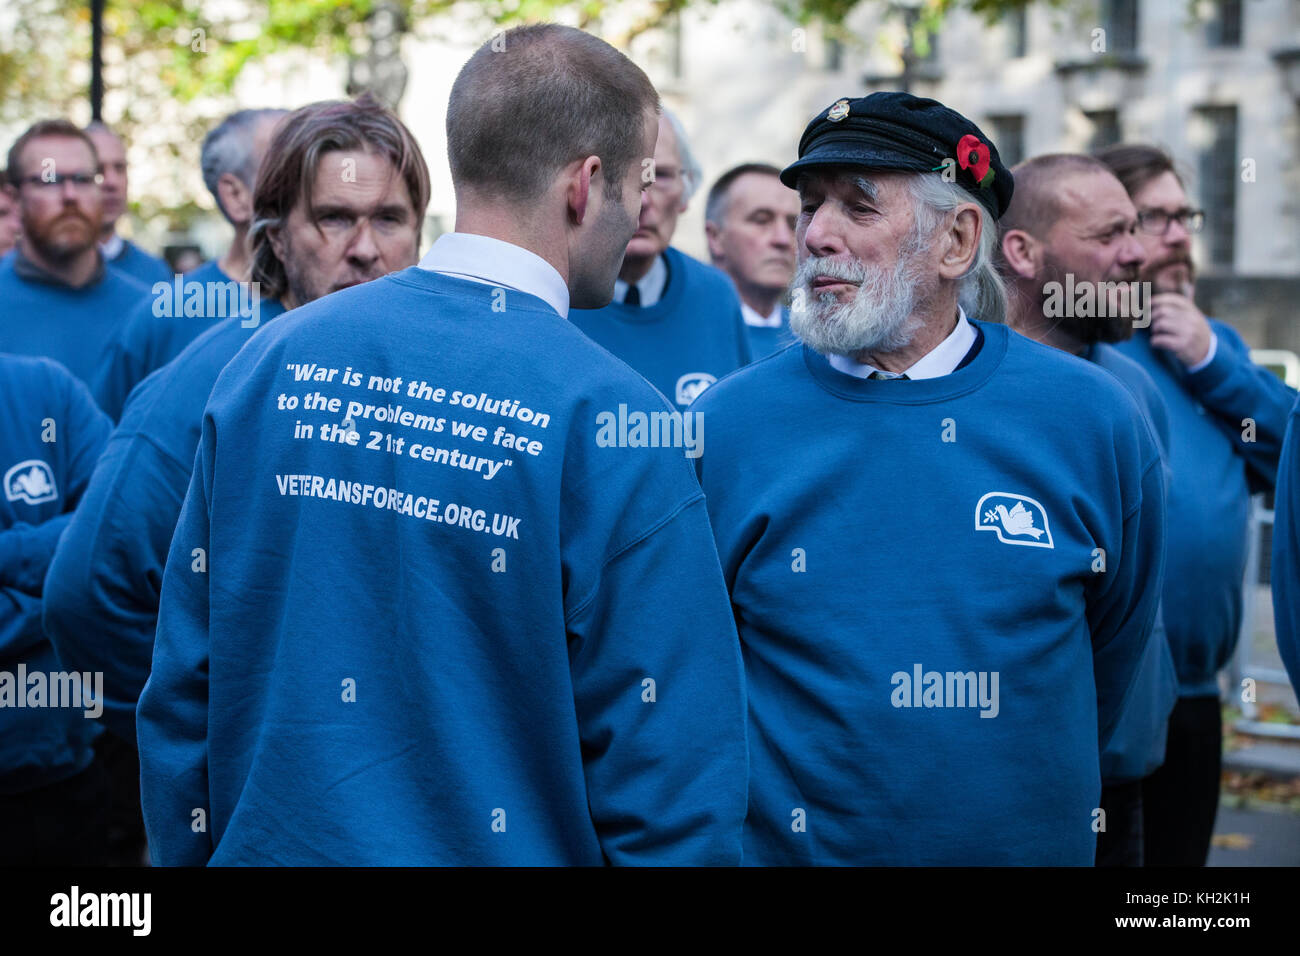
{"x": 673, "y": 319}
{"x": 57, "y": 298}
{"x": 1227, "y": 417}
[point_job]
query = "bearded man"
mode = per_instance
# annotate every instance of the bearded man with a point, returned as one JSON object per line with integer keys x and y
{"x": 59, "y": 299}
{"x": 942, "y": 541}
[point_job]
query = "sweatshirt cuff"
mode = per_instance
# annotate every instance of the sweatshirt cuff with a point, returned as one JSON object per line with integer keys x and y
{"x": 1213, "y": 369}
{"x": 1209, "y": 355}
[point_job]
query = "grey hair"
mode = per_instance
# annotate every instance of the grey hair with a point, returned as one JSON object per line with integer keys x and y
{"x": 692, "y": 173}
{"x": 228, "y": 148}
{"x": 981, "y": 292}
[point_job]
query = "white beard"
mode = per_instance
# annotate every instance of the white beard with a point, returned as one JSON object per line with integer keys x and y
{"x": 877, "y": 319}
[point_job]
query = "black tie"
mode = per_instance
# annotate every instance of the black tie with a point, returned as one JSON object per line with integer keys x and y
{"x": 633, "y": 296}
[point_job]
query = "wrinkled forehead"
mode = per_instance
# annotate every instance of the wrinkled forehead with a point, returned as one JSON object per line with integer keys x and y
{"x": 358, "y": 179}
{"x": 875, "y": 184}
{"x": 1094, "y": 196}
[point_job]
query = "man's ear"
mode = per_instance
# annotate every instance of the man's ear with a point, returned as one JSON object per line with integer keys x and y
{"x": 586, "y": 181}
{"x": 963, "y": 237}
{"x": 713, "y": 235}
{"x": 1022, "y": 253}
{"x": 236, "y": 198}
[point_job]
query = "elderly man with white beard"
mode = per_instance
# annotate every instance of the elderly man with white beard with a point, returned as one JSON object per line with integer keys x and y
{"x": 943, "y": 542}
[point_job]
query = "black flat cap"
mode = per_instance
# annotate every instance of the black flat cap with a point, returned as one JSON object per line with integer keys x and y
{"x": 905, "y": 132}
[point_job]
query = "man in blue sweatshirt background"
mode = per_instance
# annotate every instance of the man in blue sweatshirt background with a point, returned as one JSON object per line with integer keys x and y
{"x": 749, "y": 221}
{"x": 1071, "y": 226}
{"x": 102, "y": 590}
{"x": 164, "y": 323}
{"x": 119, "y": 252}
{"x": 1227, "y": 418}
{"x": 57, "y": 297}
{"x": 943, "y": 542}
{"x": 673, "y": 319}
{"x": 414, "y": 612}
{"x": 103, "y": 587}
{"x": 54, "y": 794}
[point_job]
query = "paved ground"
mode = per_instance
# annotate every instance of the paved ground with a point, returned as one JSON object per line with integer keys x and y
{"x": 1256, "y": 837}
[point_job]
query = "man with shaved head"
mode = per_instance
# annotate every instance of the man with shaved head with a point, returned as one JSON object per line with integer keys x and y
{"x": 1227, "y": 419}
{"x": 1070, "y": 226}
{"x": 436, "y": 621}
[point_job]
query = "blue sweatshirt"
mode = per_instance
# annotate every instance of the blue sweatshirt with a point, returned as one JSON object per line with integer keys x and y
{"x": 1138, "y": 747}
{"x": 934, "y": 656}
{"x": 683, "y": 343}
{"x": 140, "y": 265}
{"x": 474, "y": 635}
{"x": 159, "y": 328}
{"x": 1213, "y": 471}
{"x": 101, "y": 593}
{"x": 1286, "y": 551}
{"x": 43, "y": 481}
{"x": 765, "y": 339}
{"x": 71, "y": 326}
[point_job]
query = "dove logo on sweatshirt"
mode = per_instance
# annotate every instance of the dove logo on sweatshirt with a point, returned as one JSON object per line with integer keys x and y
{"x": 31, "y": 481}
{"x": 1015, "y": 519}
{"x": 690, "y": 385}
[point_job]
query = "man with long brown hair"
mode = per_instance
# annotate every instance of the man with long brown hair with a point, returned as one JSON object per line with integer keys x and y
{"x": 417, "y": 610}
{"x": 102, "y": 591}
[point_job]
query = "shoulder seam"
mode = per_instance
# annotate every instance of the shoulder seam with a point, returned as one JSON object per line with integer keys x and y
{"x": 620, "y": 551}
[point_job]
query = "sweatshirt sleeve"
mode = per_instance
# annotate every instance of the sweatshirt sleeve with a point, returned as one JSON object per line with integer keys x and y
{"x": 660, "y": 700}
{"x": 1234, "y": 389}
{"x": 1286, "y": 552}
{"x": 172, "y": 718}
{"x": 27, "y": 549}
{"x": 103, "y": 588}
{"x": 20, "y": 623}
{"x": 1122, "y": 611}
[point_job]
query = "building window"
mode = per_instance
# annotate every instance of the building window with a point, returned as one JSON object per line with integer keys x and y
{"x": 1120, "y": 20}
{"x": 1223, "y": 27}
{"x": 1103, "y": 129}
{"x": 1214, "y": 137}
{"x": 834, "y": 51}
{"x": 1008, "y": 134}
{"x": 1017, "y": 33}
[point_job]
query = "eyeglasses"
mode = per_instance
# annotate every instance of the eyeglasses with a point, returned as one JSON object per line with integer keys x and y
{"x": 80, "y": 181}
{"x": 1155, "y": 222}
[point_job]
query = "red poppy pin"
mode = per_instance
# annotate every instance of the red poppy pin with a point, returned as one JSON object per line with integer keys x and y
{"x": 974, "y": 155}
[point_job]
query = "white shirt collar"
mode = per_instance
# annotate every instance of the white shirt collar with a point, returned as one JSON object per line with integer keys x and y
{"x": 651, "y": 285}
{"x": 500, "y": 263}
{"x": 943, "y": 359}
{"x": 752, "y": 317}
{"x": 112, "y": 248}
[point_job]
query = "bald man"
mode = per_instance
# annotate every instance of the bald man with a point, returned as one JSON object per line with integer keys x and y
{"x": 1070, "y": 226}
